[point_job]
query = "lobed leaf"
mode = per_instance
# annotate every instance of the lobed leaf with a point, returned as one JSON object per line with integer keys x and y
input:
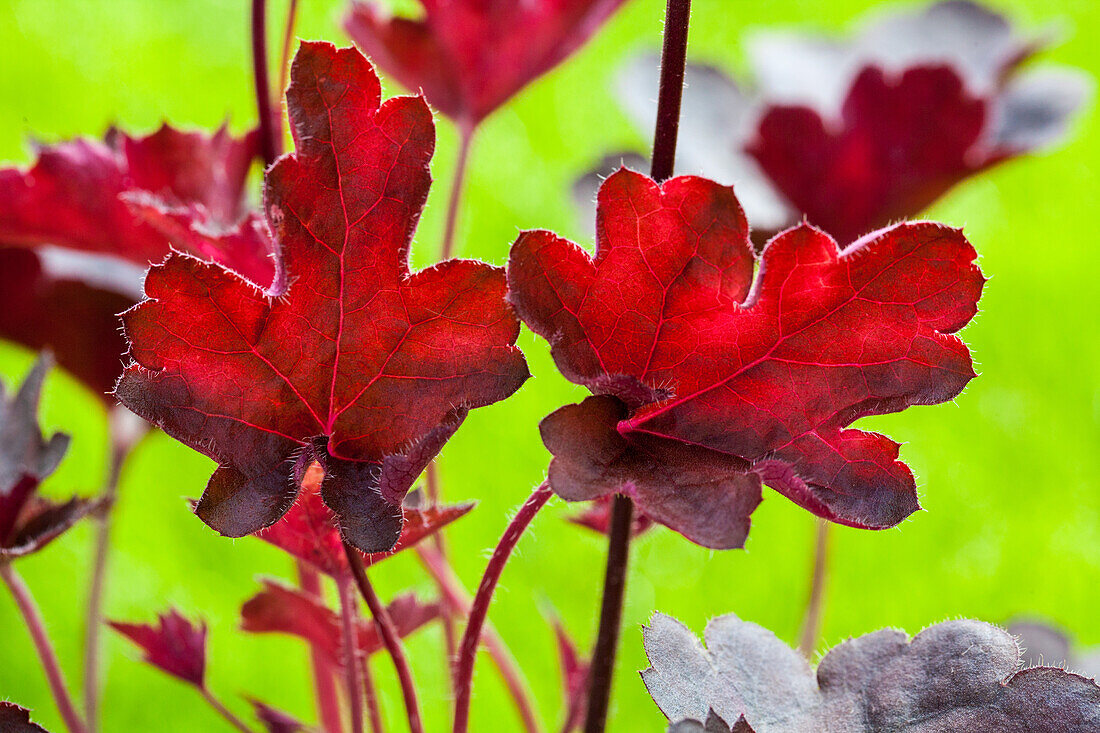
{"x": 174, "y": 645}
{"x": 709, "y": 380}
{"x": 359, "y": 364}
{"x": 16, "y": 719}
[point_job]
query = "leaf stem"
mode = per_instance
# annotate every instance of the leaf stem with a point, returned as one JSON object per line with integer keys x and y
{"x": 288, "y": 39}
{"x": 390, "y": 638}
{"x": 602, "y": 671}
{"x": 269, "y": 138}
{"x": 467, "y": 654}
{"x": 811, "y": 626}
{"x": 33, "y": 619}
{"x": 458, "y": 183}
{"x": 450, "y": 645}
{"x": 223, "y": 711}
{"x": 374, "y": 715}
{"x": 348, "y": 612}
{"x": 124, "y": 431}
{"x": 328, "y": 704}
{"x": 673, "y": 64}
{"x": 458, "y": 599}
{"x": 666, "y": 130}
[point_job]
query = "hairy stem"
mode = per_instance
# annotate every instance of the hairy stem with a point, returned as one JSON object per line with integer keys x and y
{"x": 223, "y": 711}
{"x": 467, "y": 653}
{"x": 673, "y": 63}
{"x": 370, "y": 693}
{"x": 458, "y": 600}
{"x": 269, "y": 137}
{"x": 811, "y": 626}
{"x": 288, "y": 39}
{"x": 33, "y": 619}
{"x": 602, "y": 670}
{"x": 96, "y": 589}
{"x": 348, "y": 613}
{"x": 328, "y": 703}
{"x": 390, "y": 638}
{"x": 458, "y": 183}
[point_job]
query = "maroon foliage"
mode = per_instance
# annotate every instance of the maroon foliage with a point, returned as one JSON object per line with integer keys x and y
{"x": 470, "y": 56}
{"x": 359, "y": 365}
{"x": 174, "y": 645}
{"x": 722, "y": 379}
{"x": 29, "y": 522}
{"x": 14, "y": 719}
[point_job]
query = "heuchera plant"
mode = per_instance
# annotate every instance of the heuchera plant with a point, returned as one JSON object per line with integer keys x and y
{"x": 293, "y": 344}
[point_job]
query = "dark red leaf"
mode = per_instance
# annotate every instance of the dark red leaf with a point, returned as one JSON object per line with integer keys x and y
{"x": 28, "y": 522}
{"x": 174, "y": 645}
{"x": 596, "y": 516}
{"x": 14, "y": 719}
{"x": 954, "y": 676}
{"x": 276, "y": 721}
{"x": 284, "y": 610}
{"x": 77, "y": 320}
{"x": 884, "y": 160}
{"x": 309, "y": 531}
{"x": 734, "y": 378}
{"x": 470, "y": 56}
{"x": 360, "y": 364}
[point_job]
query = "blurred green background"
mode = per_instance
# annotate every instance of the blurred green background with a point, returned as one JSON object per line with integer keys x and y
{"x": 1007, "y": 473}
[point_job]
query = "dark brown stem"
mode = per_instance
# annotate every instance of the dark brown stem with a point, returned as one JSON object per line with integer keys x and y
{"x": 348, "y": 612}
{"x": 467, "y": 652}
{"x": 673, "y": 63}
{"x": 269, "y": 138}
{"x": 457, "y": 598}
{"x": 602, "y": 670}
{"x": 328, "y": 704}
{"x": 288, "y": 39}
{"x": 46, "y": 655}
{"x": 811, "y": 626}
{"x": 458, "y": 183}
{"x": 390, "y": 638}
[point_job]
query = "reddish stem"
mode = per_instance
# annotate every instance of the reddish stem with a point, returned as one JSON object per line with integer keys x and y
{"x": 269, "y": 138}
{"x": 432, "y": 476}
{"x": 811, "y": 626}
{"x": 288, "y": 39}
{"x": 673, "y": 63}
{"x": 458, "y": 183}
{"x": 602, "y": 671}
{"x": 33, "y": 619}
{"x": 324, "y": 685}
{"x": 374, "y": 714}
{"x": 467, "y": 653}
{"x": 390, "y": 638}
{"x": 458, "y": 600}
{"x": 120, "y": 448}
{"x": 351, "y": 653}
{"x": 223, "y": 711}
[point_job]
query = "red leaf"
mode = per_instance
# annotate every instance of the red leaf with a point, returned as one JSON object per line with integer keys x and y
{"x": 15, "y": 719}
{"x": 123, "y": 200}
{"x": 309, "y": 532}
{"x": 367, "y": 367}
{"x": 75, "y": 319}
{"x": 883, "y": 161}
{"x": 469, "y": 56}
{"x": 284, "y": 610}
{"x": 574, "y": 672}
{"x": 276, "y": 721}
{"x": 728, "y": 379}
{"x": 174, "y": 645}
